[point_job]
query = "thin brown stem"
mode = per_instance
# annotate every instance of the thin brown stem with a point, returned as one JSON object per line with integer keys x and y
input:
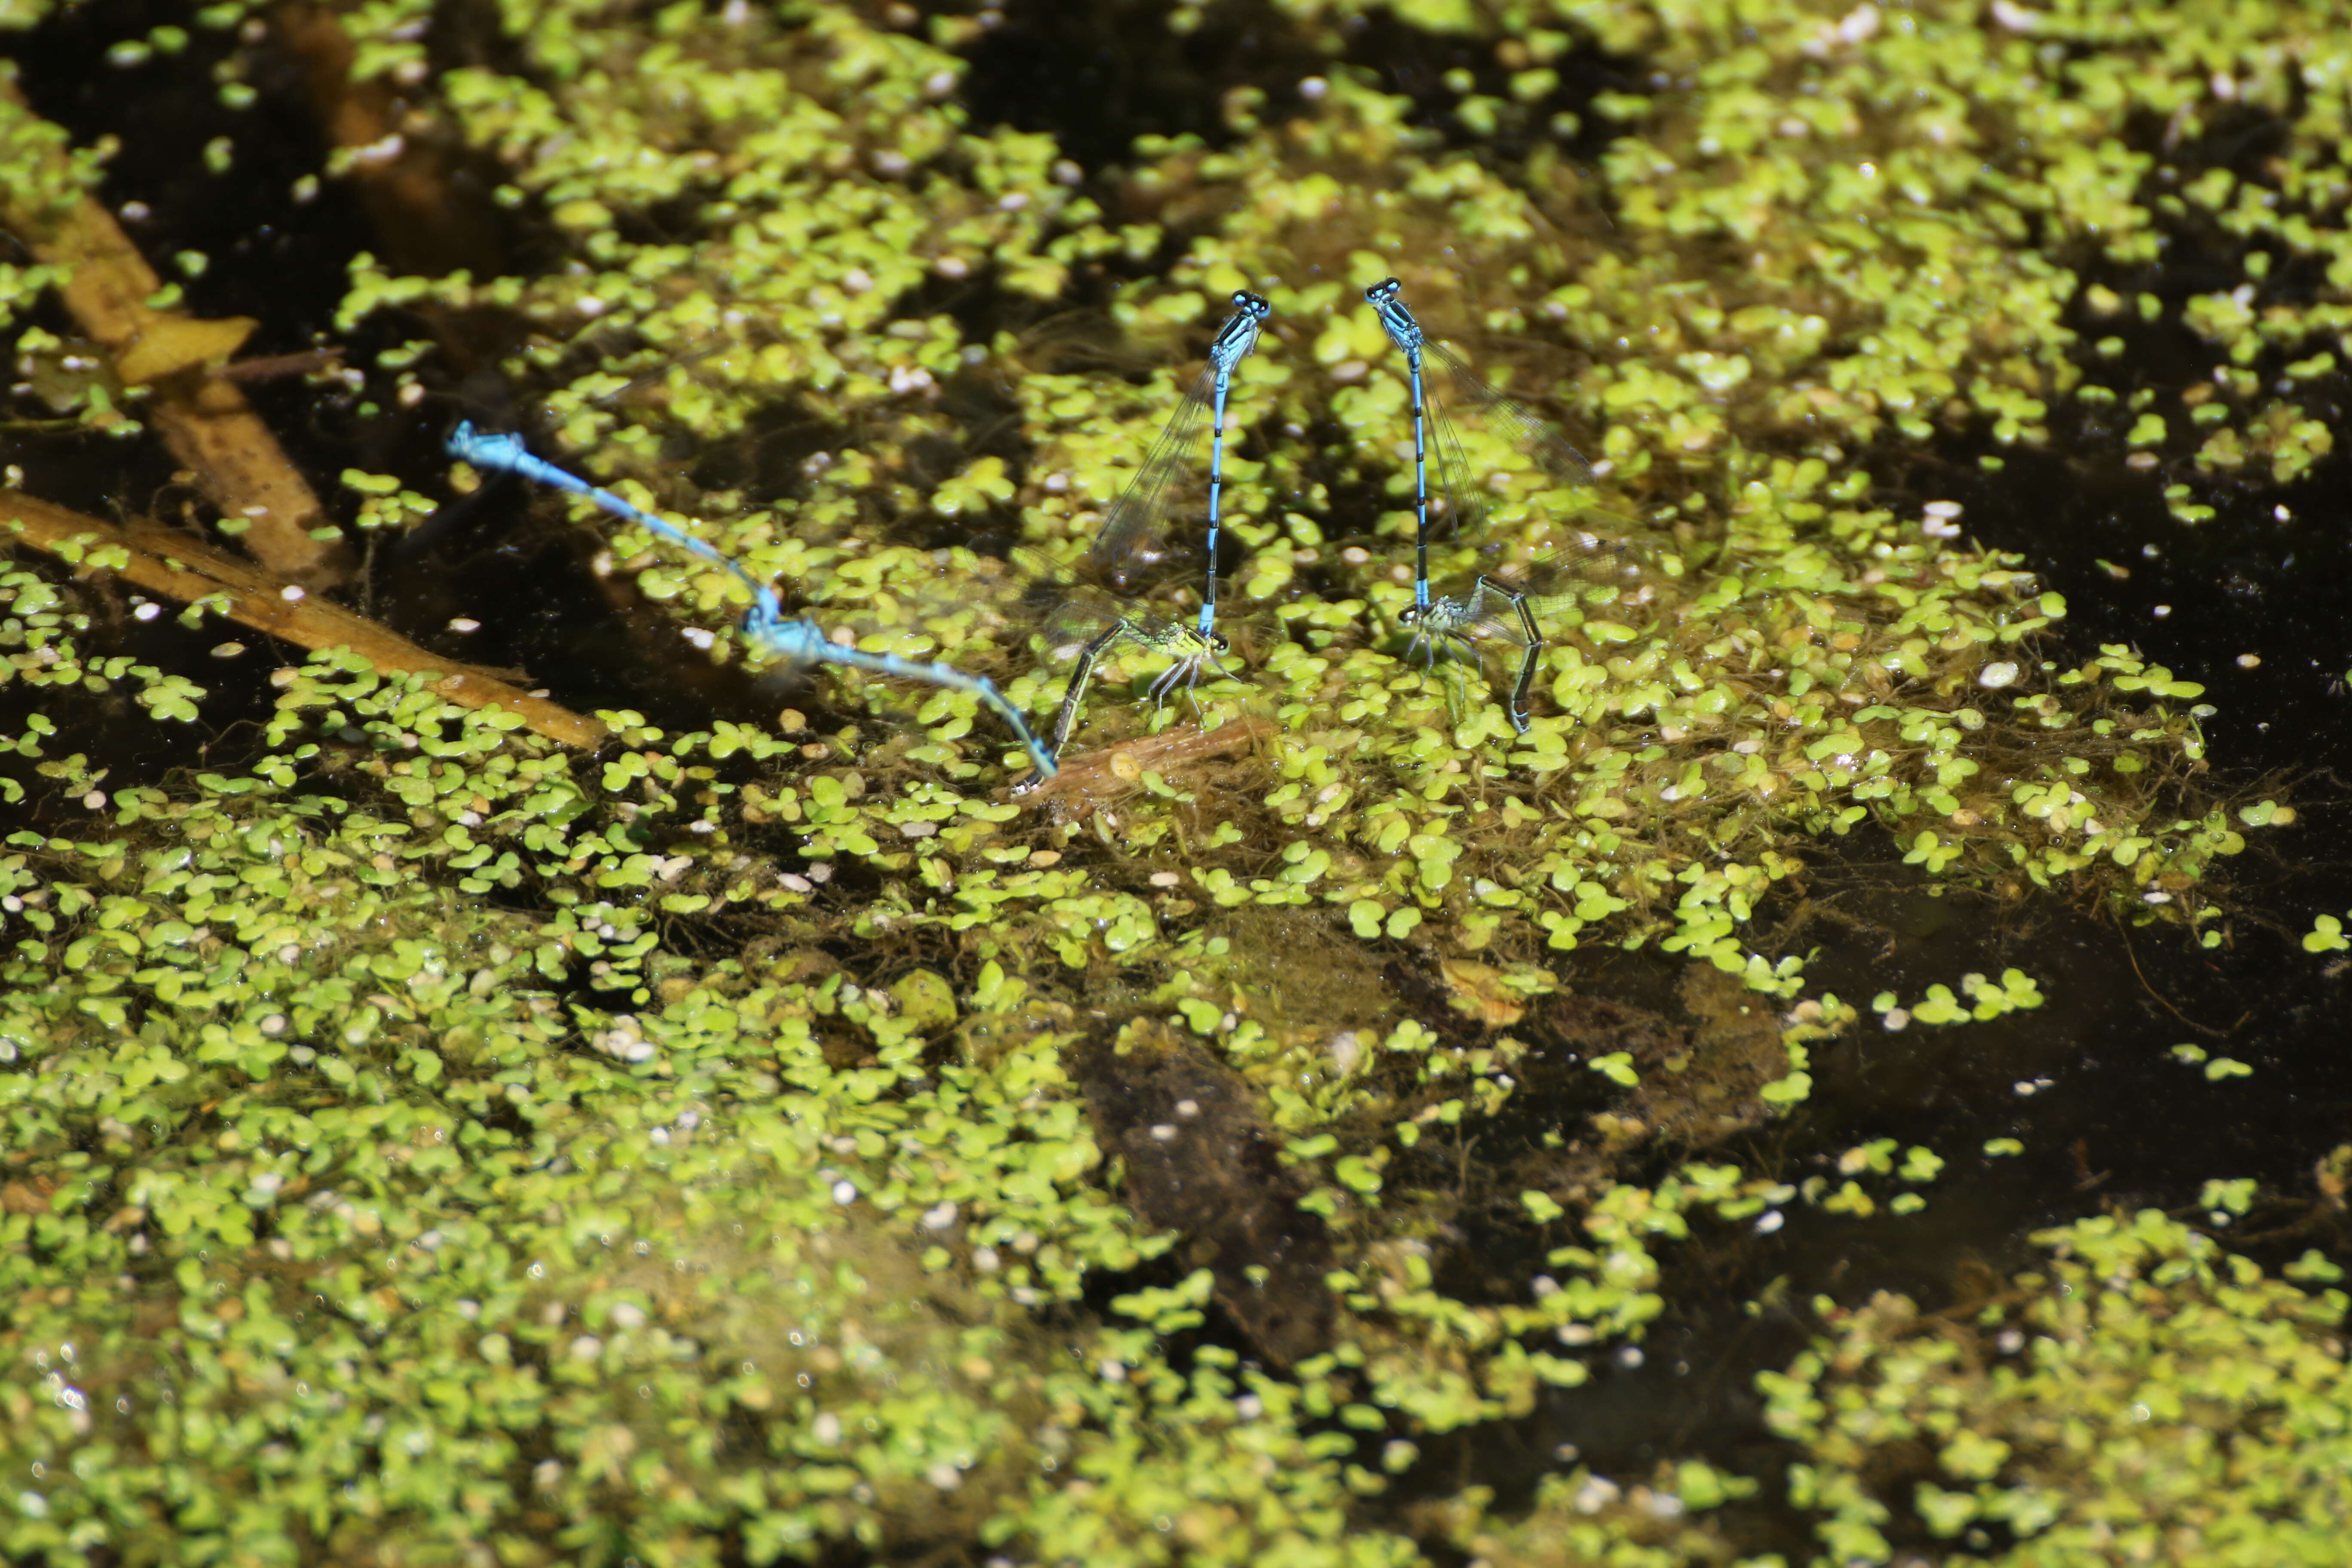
{"x": 176, "y": 566}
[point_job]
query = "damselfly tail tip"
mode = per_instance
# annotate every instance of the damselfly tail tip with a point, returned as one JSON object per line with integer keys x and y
{"x": 1043, "y": 765}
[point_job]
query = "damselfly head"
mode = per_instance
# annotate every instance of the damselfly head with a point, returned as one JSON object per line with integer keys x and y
{"x": 1238, "y": 336}
{"x": 1409, "y": 617}
{"x": 1383, "y": 291}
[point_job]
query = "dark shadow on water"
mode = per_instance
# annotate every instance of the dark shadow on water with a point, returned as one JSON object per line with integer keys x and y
{"x": 1095, "y": 77}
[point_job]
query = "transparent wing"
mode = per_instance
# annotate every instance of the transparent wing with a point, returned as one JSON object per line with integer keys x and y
{"x": 1593, "y": 569}
{"x": 1492, "y": 617}
{"x": 1456, "y": 503}
{"x": 1069, "y": 612}
{"x": 1135, "y": 531}
{"x": 1511, "y": 420}
{"x": 1594, "y": 573}
{"x": 1462, "y": 500}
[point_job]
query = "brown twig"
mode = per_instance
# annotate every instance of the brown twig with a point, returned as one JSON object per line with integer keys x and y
{"x": 271, "y": 366}
{"x": 205, "y": 421}
{"x": 1097, "y": 778}
{"x": 179, "y": 567}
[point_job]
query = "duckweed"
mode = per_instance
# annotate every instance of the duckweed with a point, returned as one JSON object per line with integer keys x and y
{"x": 426, "y": 1143}
{"x": 1962, "y": 203}
{"x": 1827, "y": 662}
{"x": 2326, "y": 935}
{"x": 2145, "y": 1395}
{"x": 1987, "y": 999}
{"x": 371, "y": 1115}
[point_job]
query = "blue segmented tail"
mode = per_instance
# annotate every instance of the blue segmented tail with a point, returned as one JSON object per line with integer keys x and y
{"x": 795, "y": 641}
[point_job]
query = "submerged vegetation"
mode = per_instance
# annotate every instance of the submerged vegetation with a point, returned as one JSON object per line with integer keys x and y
{"x": 766, "y": 1137}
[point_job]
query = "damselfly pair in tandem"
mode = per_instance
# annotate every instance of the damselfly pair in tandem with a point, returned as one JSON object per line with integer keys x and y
{"x": 1087, "y": 611}
{"x": 1082, "y": 616}
{"x": 1509, "y": 603}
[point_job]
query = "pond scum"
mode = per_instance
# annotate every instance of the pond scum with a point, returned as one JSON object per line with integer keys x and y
{"x": 427, "y": 1144}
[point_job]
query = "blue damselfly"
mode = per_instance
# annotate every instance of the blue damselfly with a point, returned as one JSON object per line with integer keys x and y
{"x": 1508, "y": 604}
{"x": 1135, "y": 530}
{"x": 765, "y": 626}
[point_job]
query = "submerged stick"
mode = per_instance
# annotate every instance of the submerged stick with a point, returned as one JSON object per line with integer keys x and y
{"x": 205, "y": 421}
{"x": 1091, "y": 778}
{"x": 176, "y": 566}
{"x": 426, "y": 219}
